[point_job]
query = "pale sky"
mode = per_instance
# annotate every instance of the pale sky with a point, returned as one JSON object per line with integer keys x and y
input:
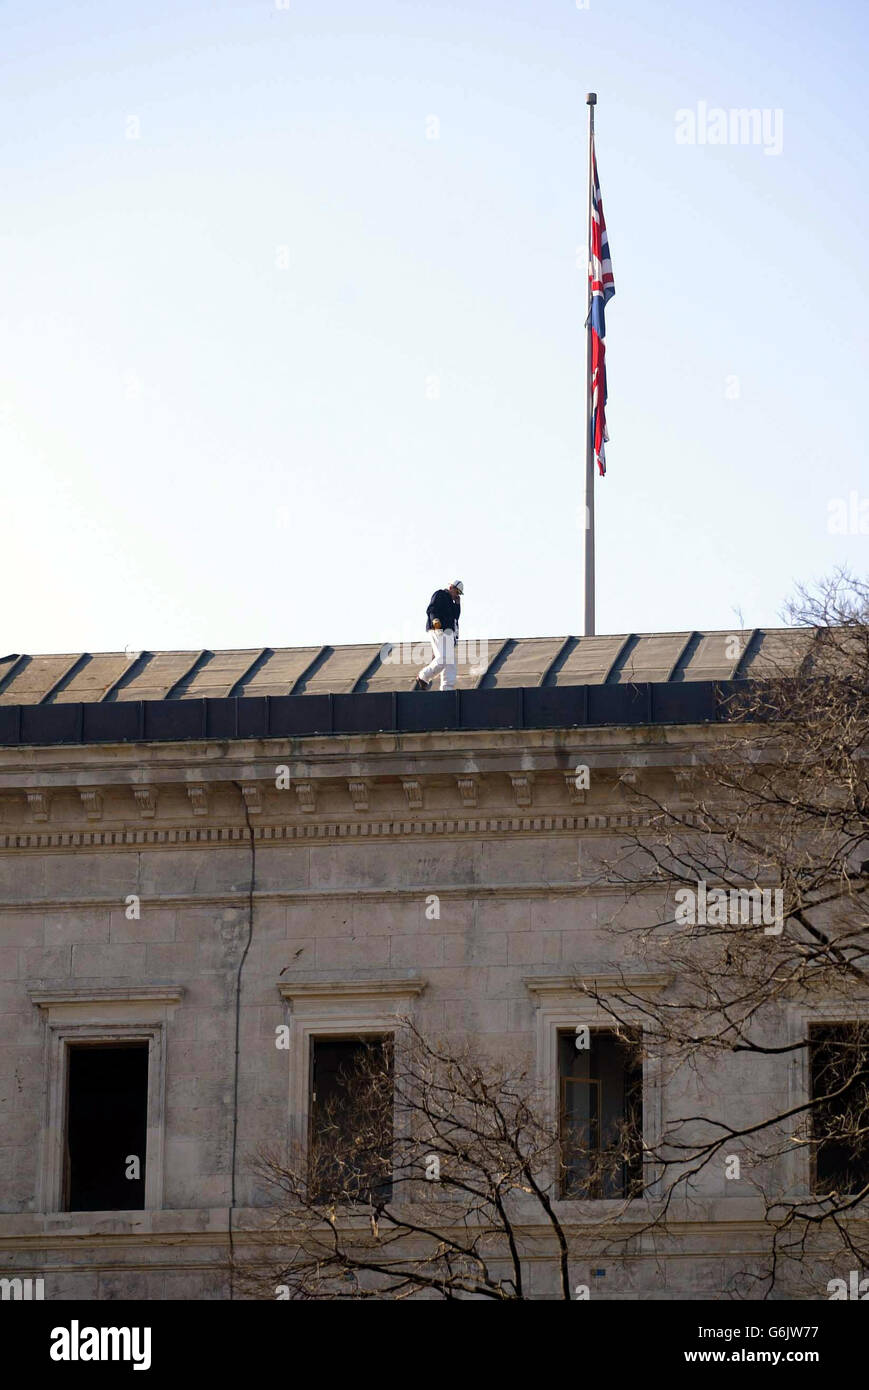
{"x": 275, "y": 363}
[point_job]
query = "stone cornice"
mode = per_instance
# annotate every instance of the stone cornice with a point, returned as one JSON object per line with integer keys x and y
{"x": 356, "y": 754}
{"x": 168, "y": 836}
{"x": 549, "y": 987}
{"x": 107, "y": 994}
{"x": 461, "y": 892}
{"x": 37, "y": 1232}
{"x": 409, "y": 987}
{"x": 367, "y": 786}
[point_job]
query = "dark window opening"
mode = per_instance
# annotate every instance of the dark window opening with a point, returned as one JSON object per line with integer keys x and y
{"x": 840, "y": 1107}
{"x": 601, "y": 1115}
{"x": 350, "y": 1152}
{"x": 106, "y": 1127}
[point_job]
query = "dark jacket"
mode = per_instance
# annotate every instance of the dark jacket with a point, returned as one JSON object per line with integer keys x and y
{"x": 445, "y": 607}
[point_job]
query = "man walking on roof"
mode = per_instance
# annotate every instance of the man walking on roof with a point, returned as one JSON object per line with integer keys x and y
{"x": 442, "y": 625}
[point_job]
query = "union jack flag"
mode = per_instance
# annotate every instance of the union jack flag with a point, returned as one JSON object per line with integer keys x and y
{"x": 602, "y": 288}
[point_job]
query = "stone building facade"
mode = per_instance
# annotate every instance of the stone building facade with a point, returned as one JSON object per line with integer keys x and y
{"x": 196, "y": 848}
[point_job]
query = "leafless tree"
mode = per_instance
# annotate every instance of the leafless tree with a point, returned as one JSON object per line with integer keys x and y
{"x": 780, "y": 802}
{"x": 432, "y": 1173}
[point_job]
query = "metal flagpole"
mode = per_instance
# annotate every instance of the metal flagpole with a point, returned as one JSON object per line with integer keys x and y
{"x": 588, "y": 621}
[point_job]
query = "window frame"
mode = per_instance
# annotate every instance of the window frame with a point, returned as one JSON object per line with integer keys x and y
{"x": 336, "y": 1009}
{"x": 597, "y": 1086}
{"x": 802, "y": 1163}
{"x": 75, "y": 1045}
{"x": 101, "y": 1017}
{"x": 385, "y": 1038}
{"x": 561, "y": 1006}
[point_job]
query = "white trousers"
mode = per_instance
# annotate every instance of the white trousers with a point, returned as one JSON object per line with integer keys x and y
{"x": 443, "y": 645}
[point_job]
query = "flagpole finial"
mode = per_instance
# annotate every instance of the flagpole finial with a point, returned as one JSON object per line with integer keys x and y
{"x": 591, "y": 99}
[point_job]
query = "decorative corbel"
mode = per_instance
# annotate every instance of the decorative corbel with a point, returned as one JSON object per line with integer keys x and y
{"x": 468, "y": 791}
{"x": 39, "y": 802}
{"x": 198, "y": 794}
{"x": 413, "y": 792}
{"x": 577, "y": 794}
{"x": 252, "y": 796}
{"x": 306, "y": 792}
{"x": 685, "y": 784}
{"x": 92, "y": 801}
{"x": 358, "y": 789}
{"x": 522, "y": 783}
{"x": 628, "y": 781}
{"x": 146, "y": 800}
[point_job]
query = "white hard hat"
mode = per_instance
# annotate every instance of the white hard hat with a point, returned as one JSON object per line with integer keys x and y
{"x": 457, "y": 584}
